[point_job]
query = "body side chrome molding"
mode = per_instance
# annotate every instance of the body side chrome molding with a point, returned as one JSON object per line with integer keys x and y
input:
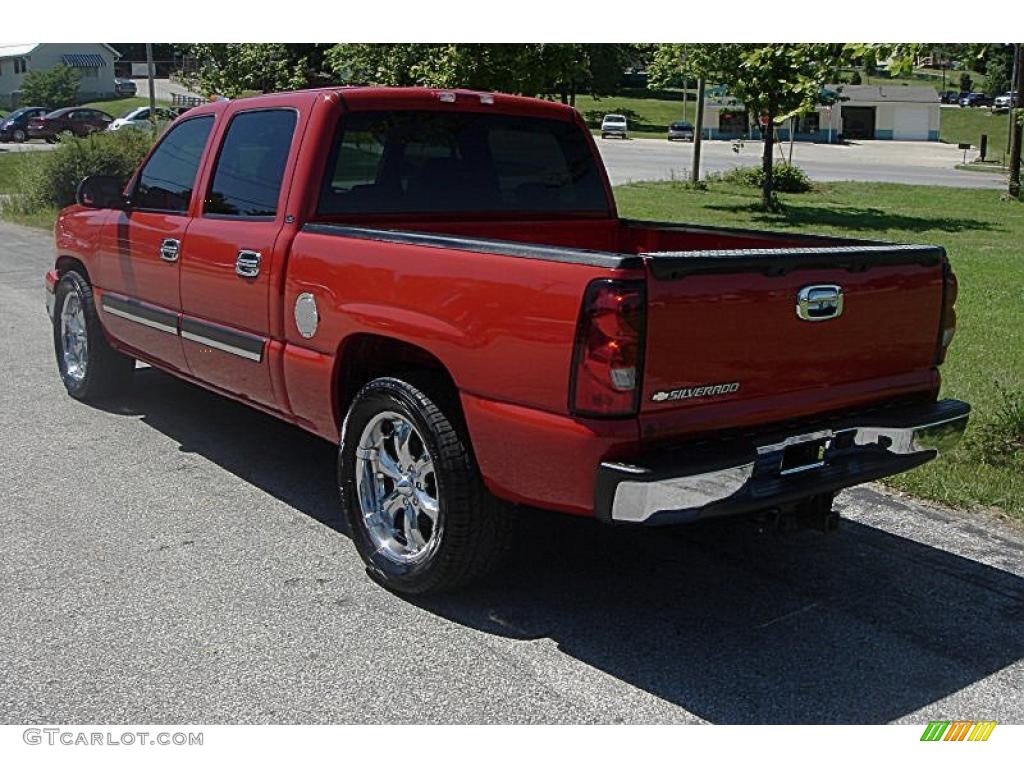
{"x": 138, "y": 312}
{"x": 226, "y": 340}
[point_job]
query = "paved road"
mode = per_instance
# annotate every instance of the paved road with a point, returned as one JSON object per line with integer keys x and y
{"x": 179, "y": 558}
{"x": 905, "y": 162}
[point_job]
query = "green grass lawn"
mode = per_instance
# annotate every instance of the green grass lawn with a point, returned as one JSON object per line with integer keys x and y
{"x": 118, "y": 107}
{"x": 648, "y": 112}
{"x": 966, "y": 126}
{"x": 982, "y": 235}
{"x": 10, "y": 165}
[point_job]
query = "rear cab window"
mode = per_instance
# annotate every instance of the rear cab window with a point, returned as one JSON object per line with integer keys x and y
{"x": 421, "y": 161}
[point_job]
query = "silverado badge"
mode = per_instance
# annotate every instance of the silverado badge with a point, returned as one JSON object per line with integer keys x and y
{"x": 705, "y": 390}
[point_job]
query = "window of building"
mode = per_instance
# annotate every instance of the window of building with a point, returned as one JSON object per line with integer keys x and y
{"x": 809, "y": 123}
{"x": 167, "y": 180}
{"x": 250, "y": 166}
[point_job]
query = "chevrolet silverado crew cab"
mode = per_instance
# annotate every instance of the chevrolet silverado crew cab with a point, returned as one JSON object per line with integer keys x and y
{"x": 439, "y": 283}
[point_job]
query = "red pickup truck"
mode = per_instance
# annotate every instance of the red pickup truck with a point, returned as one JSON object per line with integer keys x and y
{"x": 439, "y": 283}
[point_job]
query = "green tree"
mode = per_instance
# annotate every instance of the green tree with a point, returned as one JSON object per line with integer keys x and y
{"x": 229, "y": 69}
{"x": 998, "y": 70}
{"x": 51, "y": 88}
{"x": 774, "y": 81}
{"x": 548, "y": 69}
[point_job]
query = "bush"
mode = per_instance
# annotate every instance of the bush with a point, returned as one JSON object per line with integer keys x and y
{"x": 51, "y": 88}
{"x": 51, "y": 181}
{"x": 788, "y": 178}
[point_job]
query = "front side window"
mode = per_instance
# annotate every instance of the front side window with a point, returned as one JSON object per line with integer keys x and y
{"x": 456, "y": 162}
{"x": 250, "y": 167}
{"x": 167, "y": 179}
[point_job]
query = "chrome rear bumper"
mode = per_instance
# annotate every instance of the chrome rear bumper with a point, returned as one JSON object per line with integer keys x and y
{"x": 712, "y": 479}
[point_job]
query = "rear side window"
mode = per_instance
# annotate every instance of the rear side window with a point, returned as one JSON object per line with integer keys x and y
{"x": 250, "y": 167}
{"x": 452, "y": 162}
{"x": 167, "y": 179}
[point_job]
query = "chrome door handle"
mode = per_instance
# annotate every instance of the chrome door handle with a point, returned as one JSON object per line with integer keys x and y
{"x": 248, "y": 264}
{"x": 170, "y": 249}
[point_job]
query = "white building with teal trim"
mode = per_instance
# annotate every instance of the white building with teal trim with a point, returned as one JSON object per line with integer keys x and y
{"x": 862, "y": 112}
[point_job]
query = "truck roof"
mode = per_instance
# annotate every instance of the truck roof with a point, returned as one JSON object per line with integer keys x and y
{"x": 380, "y": 97}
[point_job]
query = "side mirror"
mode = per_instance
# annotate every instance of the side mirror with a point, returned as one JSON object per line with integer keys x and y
{"x": 101, "y": 192}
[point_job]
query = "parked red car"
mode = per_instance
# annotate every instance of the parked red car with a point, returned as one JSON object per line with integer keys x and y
{"x": 439, "y": 283}
{"x": 69, "y": 121}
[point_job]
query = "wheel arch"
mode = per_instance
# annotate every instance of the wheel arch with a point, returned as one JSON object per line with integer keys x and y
{"x": 363, "y": 357}
{"x": 65, "y": 264}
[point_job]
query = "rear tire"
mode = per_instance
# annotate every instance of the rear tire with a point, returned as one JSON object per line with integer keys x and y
{"x": 417, "y": 509}
{"x": 90, "y": 368}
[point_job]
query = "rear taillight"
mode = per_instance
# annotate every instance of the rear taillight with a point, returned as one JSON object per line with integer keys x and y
{"x": 947, "y": 326}
{"x": 608, "y": 357}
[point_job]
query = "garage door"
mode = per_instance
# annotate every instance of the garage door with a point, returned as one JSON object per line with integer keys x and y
{"x": 910, "y": 124}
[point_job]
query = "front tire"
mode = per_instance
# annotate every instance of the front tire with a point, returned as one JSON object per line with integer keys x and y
{"x": 89, "y": 367}
{"x": 19, "y": 136}
{"x": 418, "y": 512}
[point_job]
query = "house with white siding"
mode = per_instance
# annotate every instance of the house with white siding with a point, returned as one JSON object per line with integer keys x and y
{"x": 94, "y": 61}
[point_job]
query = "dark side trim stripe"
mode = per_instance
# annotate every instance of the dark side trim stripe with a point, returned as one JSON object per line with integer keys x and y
{"x": 483, "y": 245}
{"x": 234, "y": 342}
{"x": 138, "y": 312}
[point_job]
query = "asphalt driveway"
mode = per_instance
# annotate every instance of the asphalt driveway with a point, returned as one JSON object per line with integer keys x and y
{"x": 180, "y": 558}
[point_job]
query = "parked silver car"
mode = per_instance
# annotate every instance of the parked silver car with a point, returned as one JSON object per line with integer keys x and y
{"x": 125, "y": 87}
{"x": 614, "y": 125}
{"x": 680, "y": 130}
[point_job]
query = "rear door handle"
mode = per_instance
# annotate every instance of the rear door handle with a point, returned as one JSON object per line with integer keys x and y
{"x": 170, "y": 249}
{"x": 247, "y": 264}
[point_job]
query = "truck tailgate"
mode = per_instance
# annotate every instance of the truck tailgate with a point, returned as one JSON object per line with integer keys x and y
{"x": 723, "y": 328}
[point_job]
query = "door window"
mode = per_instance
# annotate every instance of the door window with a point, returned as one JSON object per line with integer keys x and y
{"x": 250, "y": 167}
{"x": 169, "y": 175}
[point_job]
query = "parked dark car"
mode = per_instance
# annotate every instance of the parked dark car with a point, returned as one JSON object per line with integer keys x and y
{"x": 73, "y": 121}
{"x": 14, "y": 127}
{"x": 952, "y": 97}
{"x": 976, "y": 100}
{"x": 125, "y": 87}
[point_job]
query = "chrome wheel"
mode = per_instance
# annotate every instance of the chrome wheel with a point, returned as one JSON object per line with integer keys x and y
{"x": 74, "y": 337}
{"x": 397, "y": 489}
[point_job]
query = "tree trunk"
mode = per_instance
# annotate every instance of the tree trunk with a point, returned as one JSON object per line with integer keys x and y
{"x": 767, "y": 165}
{"x": 1015, "y": 129}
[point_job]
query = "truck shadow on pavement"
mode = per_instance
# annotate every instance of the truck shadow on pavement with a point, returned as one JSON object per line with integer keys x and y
{"x": 731, "y": 624}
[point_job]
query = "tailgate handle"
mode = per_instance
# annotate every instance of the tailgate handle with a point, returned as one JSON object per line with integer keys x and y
{"x": 247, "y": 264}
{"x": 815, "y": 303}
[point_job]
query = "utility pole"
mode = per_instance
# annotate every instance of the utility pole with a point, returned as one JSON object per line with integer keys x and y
{"x": 150, "y": 70}
{"x": 698, "y": 131}
{"x": 1016, "y": 103}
